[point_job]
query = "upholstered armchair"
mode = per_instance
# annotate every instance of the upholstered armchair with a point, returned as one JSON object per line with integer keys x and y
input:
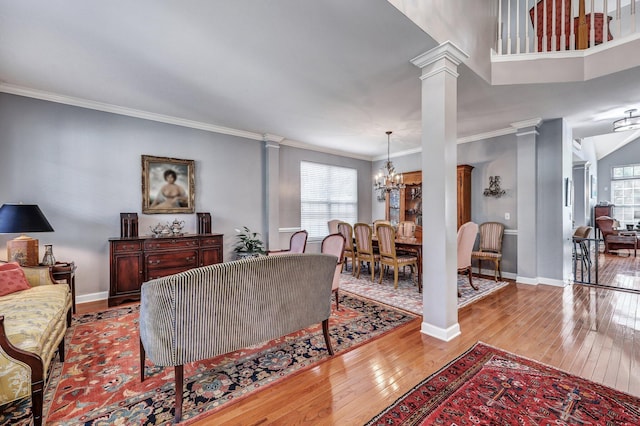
{"x": 466, "y": 239}
{"x": 349, "y": 248}
{"x": 491, "y": 234}
{"x": 297, "y": 244}
{"x": 611, "y": 236}
{"x": 333, "y": 244}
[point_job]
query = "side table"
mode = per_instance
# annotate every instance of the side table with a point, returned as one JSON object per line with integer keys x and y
{"x": 66, "y": 271}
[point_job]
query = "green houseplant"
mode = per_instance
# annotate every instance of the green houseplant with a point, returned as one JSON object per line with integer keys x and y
{"x": 248, "y": 244}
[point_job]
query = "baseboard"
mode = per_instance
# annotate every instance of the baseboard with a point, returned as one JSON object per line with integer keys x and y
{"x": 445, "y": 334}
{"x": 541, "y": 280}
{"x": 490, "y": 273}
{"x": 93, "y": 297}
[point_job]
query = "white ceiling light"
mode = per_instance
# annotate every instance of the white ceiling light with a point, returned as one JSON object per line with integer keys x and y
{"x": 631, "y": 122}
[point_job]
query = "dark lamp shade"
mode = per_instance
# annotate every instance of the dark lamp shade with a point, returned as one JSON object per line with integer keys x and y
{"x": 22, "y": 218}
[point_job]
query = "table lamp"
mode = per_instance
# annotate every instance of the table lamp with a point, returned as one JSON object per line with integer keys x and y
{"x": 18, "y": 219}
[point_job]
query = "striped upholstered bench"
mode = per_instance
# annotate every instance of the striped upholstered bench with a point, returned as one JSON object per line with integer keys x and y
{"x": 213, "y": 310}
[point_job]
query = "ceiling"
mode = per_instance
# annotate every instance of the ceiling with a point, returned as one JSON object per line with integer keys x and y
{"x": 330, "y": 74}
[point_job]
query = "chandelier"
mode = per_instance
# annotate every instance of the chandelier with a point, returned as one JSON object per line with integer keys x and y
{"x": 631, "y": 122}
{"x": 387, "y": 179}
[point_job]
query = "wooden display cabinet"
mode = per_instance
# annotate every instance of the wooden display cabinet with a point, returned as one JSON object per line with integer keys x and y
{"x": 134, "y": 260}
{"x": 406, "y": 204}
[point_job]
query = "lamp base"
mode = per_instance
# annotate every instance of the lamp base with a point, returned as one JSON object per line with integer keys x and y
{"x": 23, "y": 250}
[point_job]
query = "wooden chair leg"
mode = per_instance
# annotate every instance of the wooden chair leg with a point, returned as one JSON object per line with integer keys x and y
{"x": 337, "y": 300}
{"x": 142, "y": 357}
{"x": 179, "y": 373}
{"x": 325, "y": 332}
{"x": 495, "y": 269}
{"x": 395, "y": 276}
{"x": 471, "y": 278}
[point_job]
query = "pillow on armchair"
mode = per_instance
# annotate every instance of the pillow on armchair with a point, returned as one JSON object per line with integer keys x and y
{"x": 12, "y": 279}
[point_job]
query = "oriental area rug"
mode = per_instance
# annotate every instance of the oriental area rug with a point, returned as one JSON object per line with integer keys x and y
{"x": 406, "y": 296}
{"x": 99, "y": 382}
{"x": 489, "y": 386}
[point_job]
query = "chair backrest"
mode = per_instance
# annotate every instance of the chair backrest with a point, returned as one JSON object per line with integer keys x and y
{"x": 605, "y": 224}
{"x": 406, "y": 229}
{"x": 466, "y": 239}
{"x": 298, "y": 242}
{"x": 491, "y": 234}
{"x": 333, "y": 244}
{"x": 377, "y": 222}
{"x": 333, "y": 226}
{"x": 363, "y": 235}
{"x": 347, "y": 232}
{"x": 582, "y": 232}
{"x": 386, "y": 241}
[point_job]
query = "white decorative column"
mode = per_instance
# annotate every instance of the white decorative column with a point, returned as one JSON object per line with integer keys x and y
{"x": 439, "y": 189}
{"x": 527, "y": 204}
{"x": 272, "y": 189}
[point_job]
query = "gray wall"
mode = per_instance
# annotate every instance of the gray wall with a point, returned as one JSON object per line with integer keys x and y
{"x": 490, "y": 157}
{"x": 290, "y": 159}
{"x": 83, "y": 168}
{"x": 627, "y": 154}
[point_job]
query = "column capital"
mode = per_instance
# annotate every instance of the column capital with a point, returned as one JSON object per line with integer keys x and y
{"x": 446, "y": 50}
{"x": 533, "y": 122}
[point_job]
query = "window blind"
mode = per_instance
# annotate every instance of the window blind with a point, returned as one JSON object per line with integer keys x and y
{"x": 326, "y": 192}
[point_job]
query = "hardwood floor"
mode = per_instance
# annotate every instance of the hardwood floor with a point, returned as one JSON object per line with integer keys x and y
{"x": 590, "y": 332}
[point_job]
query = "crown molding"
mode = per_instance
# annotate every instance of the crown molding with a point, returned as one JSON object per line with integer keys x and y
{"x": 487, "y": 135}
{"x": 309, "y": 147}
{"x": 130, "y": 112}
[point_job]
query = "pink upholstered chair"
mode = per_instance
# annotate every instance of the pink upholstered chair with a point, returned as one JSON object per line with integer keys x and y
{"x": 297, "y": 244}
{"x": 334, "y": 244}
{"x": 466, "y": 239}
{"x": 333, "y": 226}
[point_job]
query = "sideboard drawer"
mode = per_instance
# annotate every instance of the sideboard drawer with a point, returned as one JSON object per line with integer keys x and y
{"x": 123, "y": 246}
{"x": 152, "y": 274}
{"x": 211, "y": 241}
{"x": 170, "y": 243}
{"x": 186, "y": 258}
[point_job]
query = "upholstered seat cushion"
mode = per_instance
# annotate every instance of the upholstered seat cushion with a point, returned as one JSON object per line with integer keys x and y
{"x": 486, "y": 255}
{"x": 34, "y": 320}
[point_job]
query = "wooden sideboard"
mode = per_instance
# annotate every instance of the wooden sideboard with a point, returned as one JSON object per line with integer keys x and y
{"x": 134, "y": 260}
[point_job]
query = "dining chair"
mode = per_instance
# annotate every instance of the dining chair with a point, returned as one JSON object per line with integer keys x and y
{"x": 581, "y": 248}
{"x": 389, "y": 256}
{"x": 466, "y": 239}
{"x": 333, "y": 226}
{"x": 491, "y": 234}
{"x": 376, "y": 223}
{"x": 334, "y": 244}
{"x": 297, "y": 244}
{"x": 349, "y": 248}
{"x": 406, "y": 229}
{"x": 365, "y": 251}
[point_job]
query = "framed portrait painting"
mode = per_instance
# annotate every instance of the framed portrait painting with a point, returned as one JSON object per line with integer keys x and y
{"x": 167, "y": 185}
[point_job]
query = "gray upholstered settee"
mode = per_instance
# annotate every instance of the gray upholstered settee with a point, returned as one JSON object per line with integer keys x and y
{"x": 213, "y": 310}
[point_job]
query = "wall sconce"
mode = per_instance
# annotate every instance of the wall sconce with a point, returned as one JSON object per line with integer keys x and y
{"x": 494, "y": 189}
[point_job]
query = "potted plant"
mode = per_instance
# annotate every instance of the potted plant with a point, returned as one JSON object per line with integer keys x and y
{"x": 248, "y": 244}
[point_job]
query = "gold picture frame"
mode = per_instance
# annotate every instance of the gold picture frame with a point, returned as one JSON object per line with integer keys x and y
{"x": 168, "y": 185}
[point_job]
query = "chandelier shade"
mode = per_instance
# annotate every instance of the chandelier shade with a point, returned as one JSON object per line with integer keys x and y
{"x": 387, "y": 179}
{"x": 632, "y": 122}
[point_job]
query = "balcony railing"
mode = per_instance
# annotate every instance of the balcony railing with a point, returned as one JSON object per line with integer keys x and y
{"x": 535, "y": 26}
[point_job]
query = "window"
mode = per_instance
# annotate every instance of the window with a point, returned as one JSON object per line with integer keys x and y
{"x": 326, "y": 192}
{"x": 625, "y": 191}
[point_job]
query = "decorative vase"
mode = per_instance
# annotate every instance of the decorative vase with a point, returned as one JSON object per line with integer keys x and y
{"x": 48, "y": 258}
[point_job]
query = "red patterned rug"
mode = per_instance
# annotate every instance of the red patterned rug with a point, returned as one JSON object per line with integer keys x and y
{"x": 99, "y": 382}
{"x": 488, "y": 386}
